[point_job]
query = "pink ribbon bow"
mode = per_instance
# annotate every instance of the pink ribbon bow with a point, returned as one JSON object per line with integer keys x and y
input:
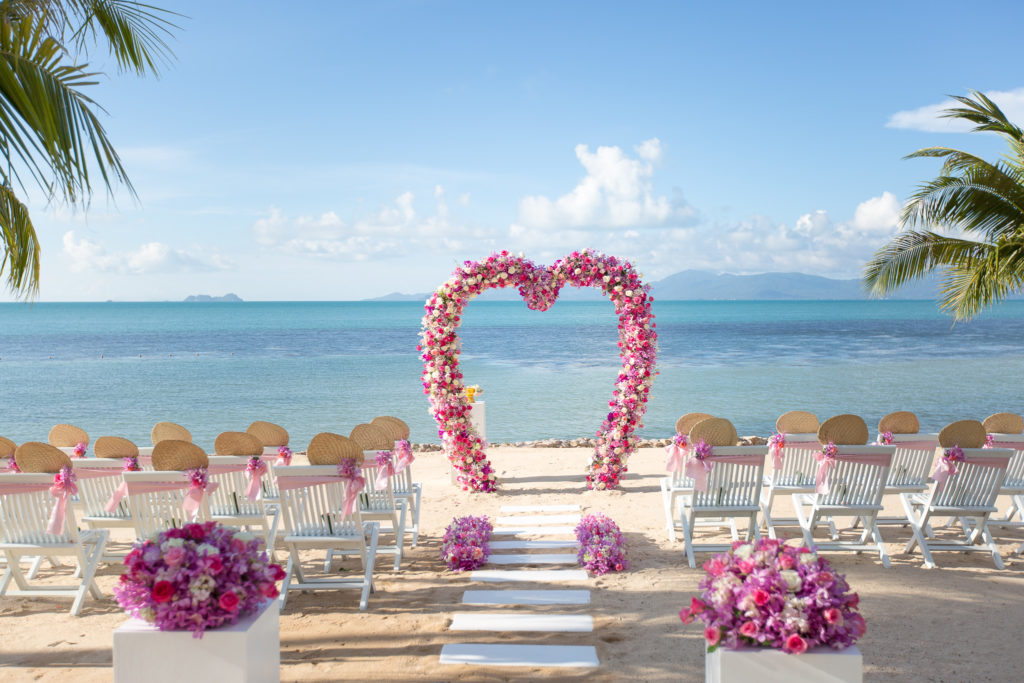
{"x": 826, "y": 458}
{"x": 776, "y": 442}
{"x": 350, "y": 472}
{"x": 194, "y": 497}
{"x": 990, "y": 441}
{"x": 254, "y": 471}
{"x": 63, "y": 488}
{"x": 385, "y": 469}
{"x": 80, "y": 449}
{"x": 284, "y": 456}
{"x": 677, "y": 450}
{"x": 403, "y": 455}
{"x": 698, "y": 467}
{"x": 946, "y": 466}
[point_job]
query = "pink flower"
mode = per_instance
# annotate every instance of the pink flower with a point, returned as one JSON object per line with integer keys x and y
{"x": 174, "y": 556}
{"x": 228, "y": 601}
{"x": 786, "y": 561}
{"x": 746, "y": 566}
{"x": 163, "y": 591}
{"x": 833, "y": 616}
{"x": 749, "y": 629}
{"x": 853, "y": 601}
{"x": 712, "y": 634}
{"x": 269, "y": 590}
{"x": 714, "y": 566}
{"x": 685, "y": 616}
{"x": 825, "y": 578}
{"x": 857, "y": 623}
{"x": 796, "y": 644}
{"x": 760, "y": 597}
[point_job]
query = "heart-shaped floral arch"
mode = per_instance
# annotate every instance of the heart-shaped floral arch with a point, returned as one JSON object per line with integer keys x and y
{"x": 539, "y": 287}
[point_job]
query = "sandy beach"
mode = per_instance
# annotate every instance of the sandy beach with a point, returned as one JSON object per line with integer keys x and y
{"x": 960, "y": 622}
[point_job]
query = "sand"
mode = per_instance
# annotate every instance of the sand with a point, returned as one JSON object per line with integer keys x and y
{"x": 960, "y": 622}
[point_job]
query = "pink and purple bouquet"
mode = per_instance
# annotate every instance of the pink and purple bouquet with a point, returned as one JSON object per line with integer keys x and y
{"x": 80, "y": 448}
{"x": 885, "y": 439}
{"x": 284, "y": 456}
{"x": 198, "y": 577}
{"x": 766, "y": 594}
{"x": 131, "y": 464}
{"x": 464, "y": 546}
{"x": 602, "y": 547}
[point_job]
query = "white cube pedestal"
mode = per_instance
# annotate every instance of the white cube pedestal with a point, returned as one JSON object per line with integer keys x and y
{"x": 248, "y": 652}
{"x": 477, "y": 418}
{"x": 764, "y": 665}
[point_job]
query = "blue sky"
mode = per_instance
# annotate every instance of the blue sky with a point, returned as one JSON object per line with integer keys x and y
{"x": 323, "y": 150}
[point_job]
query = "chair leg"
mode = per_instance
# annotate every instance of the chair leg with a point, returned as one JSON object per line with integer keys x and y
{"x": 688, "y": 540}
{"x": 766, "y": 512}
{"x": 371, "y": 552}
{"x": 806, "y": 525}
{"x": 991, "y": 545}
{"x": 877, "y": 535}
{"x": 400, "y": 536}
{"x": 287, "y": 579}
{"x": 416, "y": 516}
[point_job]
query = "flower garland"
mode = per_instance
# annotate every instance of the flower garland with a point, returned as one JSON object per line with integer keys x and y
{"x": 766, "y": 594}
{"x": 539, "y": 287}
{"x": 602, "y": 546}
{"x": 464, "y": 546}
{"x": 198, "y": 577}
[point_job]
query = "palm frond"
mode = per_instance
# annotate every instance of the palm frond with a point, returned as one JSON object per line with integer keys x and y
{"x": 982, "y": 200}
{"x": 974, "y": 285}
{"x": 912, "y": 254}
{"x": 44, "y": 110}
{"x": 984, "y": 112}
{"x": 136, "y": 33}
{"x": 20, "y": 245}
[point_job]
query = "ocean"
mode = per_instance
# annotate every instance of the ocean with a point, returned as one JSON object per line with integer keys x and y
{"x": 118, "y": 368}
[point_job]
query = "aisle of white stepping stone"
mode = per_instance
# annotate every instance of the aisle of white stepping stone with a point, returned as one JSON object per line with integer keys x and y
{"x": 505, "y": 654}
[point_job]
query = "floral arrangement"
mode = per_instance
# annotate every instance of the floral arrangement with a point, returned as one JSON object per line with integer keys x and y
{"x": 990, "y": 441}
{"x": 946, "y": 466}
{"x": 826, "y": 458}
{"x": 63, "y": 489}
{"x": 766, "y": 594}
{"x": 255, "y": 469}
{"x": 80, "y": 448}
{"x": 131, "y": 464}
{"x": 776, "y": 442}
{"x": 539, "y": 287}
{"x": 284, "y": 456}
{"x": 198, "y": 577}
{"x": 676, "y": 452}
{"x": 602, "y": 547}
{"x": 464, "y": 546}
{"x": 12, "y": 465}
{"x": 885, "y": 439}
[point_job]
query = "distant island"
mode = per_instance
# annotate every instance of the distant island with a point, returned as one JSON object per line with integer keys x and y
{"x": 206, "y": 298}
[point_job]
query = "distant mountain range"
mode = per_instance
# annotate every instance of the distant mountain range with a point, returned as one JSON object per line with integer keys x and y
{"x": 700, "y": 285}
{"x": 206, "y": 298}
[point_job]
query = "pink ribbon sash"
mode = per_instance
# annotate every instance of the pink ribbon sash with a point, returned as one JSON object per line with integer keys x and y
{"x": 62, "y": 492}
{"x": 252, "y": 492}
{"x": 825, "y": 464}
{"x": 193, "y": 498}
{"x": 698, "y": 470}
{"x": 354, "y": 486}
{"x": 944, "y": 468}
{"x": 775, "y": 450}
{"x": 403, "y": 455}
{"x": 676, "y": 453}
{"x": 384, "y": 474}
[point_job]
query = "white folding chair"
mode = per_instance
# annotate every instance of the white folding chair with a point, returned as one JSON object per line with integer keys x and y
{"x": 1013, "y": 483}
{"x": 969, "y": 494}
{"x": 380, "y": 505}
{"x": 157, "y": 501}
{"x": 795, "y": 476}
{"x": 856, "y": 483}
{"x": 25, "y": 508}
{"x": 312, "y": 498}
{"x": 229, "y": 503}
{"x": 404, "y": 488}
{"x": 733, "y": 491}
{"x": 911, "y": 465}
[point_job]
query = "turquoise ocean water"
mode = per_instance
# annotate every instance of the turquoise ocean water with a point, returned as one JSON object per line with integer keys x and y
{"x": 117, "y": 368}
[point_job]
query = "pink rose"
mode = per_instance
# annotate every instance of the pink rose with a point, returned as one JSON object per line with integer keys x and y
{"x": 697, "y": 605}
{"x": 749, "y": 629}
{"x": 760, "y": 597}
{"x": 746, "y": 566}
{"x": 833, "y": 616}
{"x": 174, "y": 556}
{"x": 269, "y": 590}
{"x": 228, "y": 601}
{"x": 853, "y": 600}
{"x": 214, "y": 564}
{"x": 786, "y": 561}
{"x": 796, "y": 644}
{"x": 714, "y": 567}
{"x": 713, "y": 634}
{"x": 825, "y": 578}
{"x": 685, "y": 616}
{"x": 163, "y": 591}
{"x": 857, "y": 623}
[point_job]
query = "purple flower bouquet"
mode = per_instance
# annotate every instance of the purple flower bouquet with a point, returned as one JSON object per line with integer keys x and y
{"x": 602, "y": 547}
{"x": 464, "y": 546}
{"x": 766, "y": 594}
{"x": 197, "y": 577}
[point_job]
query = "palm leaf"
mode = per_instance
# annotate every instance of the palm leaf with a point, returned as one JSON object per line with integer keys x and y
{"x": 136, "y": 33}
{"x": 20, "y": 245}
{"x": 911, "y": 255}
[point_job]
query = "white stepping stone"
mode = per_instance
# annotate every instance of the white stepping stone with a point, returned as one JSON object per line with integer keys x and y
{"x": 540, "y": 519}
{"x": 528, "y": 545}
{"x": 537, "y": 558}
{"x": 498, "y": 621}
{"x": 528, "y": 575}
{"x": 538, "y": 508}
{"x": 494, "y": 654}
{"x": 534, "y": 530}
{"x": 521, "y": 597}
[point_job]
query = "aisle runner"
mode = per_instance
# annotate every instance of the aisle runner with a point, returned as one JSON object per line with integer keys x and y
{"x": 505, "y": 654}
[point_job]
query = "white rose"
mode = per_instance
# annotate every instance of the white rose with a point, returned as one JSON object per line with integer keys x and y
{"x": 792, "y": 579}
{"x": 744, "y": 551}
{"x": 808, "y": 558}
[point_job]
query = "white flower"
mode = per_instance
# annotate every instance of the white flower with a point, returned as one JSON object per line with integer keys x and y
{"x": 808, "y": 558}
{"x": 744, "y": 551}
{"x": 207, "y": 549}
{"x": 792, "y": 579}
{"x": 172, "y": 543}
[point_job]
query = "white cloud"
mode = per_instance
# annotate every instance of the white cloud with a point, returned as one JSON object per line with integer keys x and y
{"x": 617, "y": 191}
{"x": 394, "y": 230}
{"x": 928, "y": 118}
{"x": 154, "y": 257}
